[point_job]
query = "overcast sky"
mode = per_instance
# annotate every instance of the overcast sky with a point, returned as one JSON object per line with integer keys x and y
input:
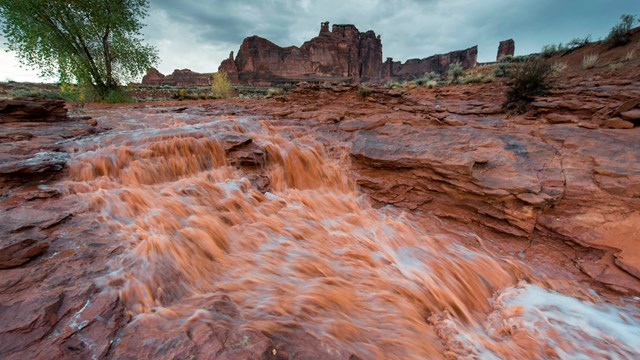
{"x": 199, "y": 34}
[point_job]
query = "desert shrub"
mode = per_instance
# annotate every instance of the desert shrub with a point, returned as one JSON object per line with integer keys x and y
{"x": 181, "y": 94}
{"x": 426, "y": 77}
{"x": 630, "y": 55}
{"x": 476, "y": 79}
{"x": 619, "y": 34}
{"x": 530, "y": 79}
{"x": 558, "y": 67}
{"x": 118, "y": 95}
{"x": 275, "y": 91}
{"x": 454, "y": 72}
{"x": 552, "y": 49}
{"x": 615, "y": 66}
{"x": 221, "y": 86}
{"x": 590, "y": 61}
{"x": 392, "y": 84}
{"x": 364, "y": 91}
{"x": 431, "y": 84}
{"x": 579, "y": 42}
{"x": 502, "y": 69}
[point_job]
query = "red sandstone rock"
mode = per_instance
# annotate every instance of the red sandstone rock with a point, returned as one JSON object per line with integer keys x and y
{"x": 631, "y": 115}
{"x": 413, "y": 68}
{"x": 184, "y": 77}
{"x": 342, "y": 54}
{"x": 617, "y": 123}
{"x": 30, "y": 109}
{"x": 506, "y": 48}
{"x": 230, "y": 68}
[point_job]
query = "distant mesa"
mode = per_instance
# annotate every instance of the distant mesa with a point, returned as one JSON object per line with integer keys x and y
{"x": 184, "y": 77}
{"x": 342, "y": 54}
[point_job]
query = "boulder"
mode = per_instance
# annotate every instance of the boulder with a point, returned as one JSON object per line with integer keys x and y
{"x": 631, "y": 115}
{"x": 617, "y": 123}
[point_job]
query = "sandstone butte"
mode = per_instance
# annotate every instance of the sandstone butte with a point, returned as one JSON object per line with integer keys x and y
{"x": 342, "y": 54}
{"x": 87, "y": 204}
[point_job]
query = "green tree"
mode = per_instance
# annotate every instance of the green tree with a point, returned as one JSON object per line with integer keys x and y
{"x": 93, "y": 42}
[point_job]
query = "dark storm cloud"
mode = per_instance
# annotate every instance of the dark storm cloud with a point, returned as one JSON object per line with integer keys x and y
{"x": 409, "y": 28}
{"x": 199, "y": 34}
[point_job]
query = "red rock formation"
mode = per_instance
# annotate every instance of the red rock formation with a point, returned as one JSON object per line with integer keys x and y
{"x": 230, "y": 68}
{"x": 153, "y": 77}
{"x": 32, "y": 109}
{"x": 342, "y": 54}
{"x": 184, "y": 77}
{"x": 413, "y": 68}
{"x": 506, "y": 47}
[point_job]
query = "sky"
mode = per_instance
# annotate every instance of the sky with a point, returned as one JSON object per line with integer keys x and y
{"x": 199, "y": 34}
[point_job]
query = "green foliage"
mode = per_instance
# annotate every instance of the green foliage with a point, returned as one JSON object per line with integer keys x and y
{"x": 118, "y": 95}
{"x": 96, "y": 43}
{"x": 619, "y": 34}
{"x": 455, "y": 71}
{"x": 221, "y": 86}
{"x": 530, "y": 79}
{"x": 363, "y": 91}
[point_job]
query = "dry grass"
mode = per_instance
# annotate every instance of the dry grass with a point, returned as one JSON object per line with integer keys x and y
{"x": 558, "y": 67}
{"x": 590, "y": 61}
{"x": 630, "y": 55}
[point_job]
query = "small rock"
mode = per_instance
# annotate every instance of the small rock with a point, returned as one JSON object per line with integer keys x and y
{"x": 561, "y": 119}
{"x": 629, "y": 105}
{"x": 617, "y": 123}
{"x": 631, "y": 114}
{"x": 92, "y": 122}
{"x": 588, "y": 125}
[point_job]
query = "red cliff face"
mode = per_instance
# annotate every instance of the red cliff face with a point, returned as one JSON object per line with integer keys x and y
{"x": 342, "y": 54}
{"x": 413, "y": 68}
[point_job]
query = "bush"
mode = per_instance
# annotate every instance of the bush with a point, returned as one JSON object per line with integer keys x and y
{"x": 277, "y": 91}
{"x": 431, "y": 84}
{"x": 579, "y": 42}
{"x": 426, "y": 77}
{"x": 552, "y": 49}
{"x": 558, "y": 67}
{"x": 455, "y": 71}
{"x": 221, "y": 86}
{"x": 530, "y": 79}
{"x": 117, "y": 96}
{"x": 502, "y": 69}
{"x": 619, "y": 34}
{"x": 590, "y": 61}
{"x": 364, "y": 91}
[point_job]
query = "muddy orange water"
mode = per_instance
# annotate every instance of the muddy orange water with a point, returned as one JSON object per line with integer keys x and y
{"x": 309, "y": 255}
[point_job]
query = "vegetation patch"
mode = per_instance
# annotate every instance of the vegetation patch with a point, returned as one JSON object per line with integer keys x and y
{"x": 530, "y": 79}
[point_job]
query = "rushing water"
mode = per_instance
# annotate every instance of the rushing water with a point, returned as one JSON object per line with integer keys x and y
{"x": 311, "y": 255}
